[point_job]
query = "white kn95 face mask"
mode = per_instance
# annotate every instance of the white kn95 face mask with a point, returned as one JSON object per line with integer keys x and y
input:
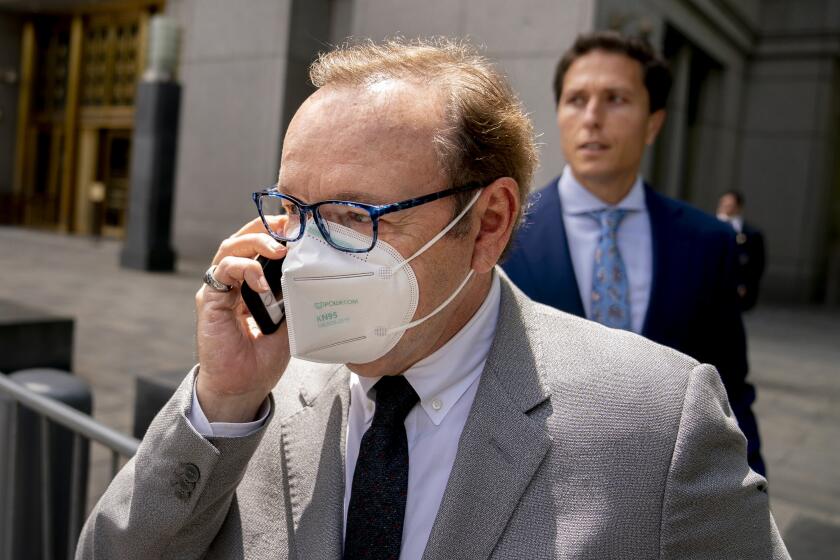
{"x": 351, "y": 308}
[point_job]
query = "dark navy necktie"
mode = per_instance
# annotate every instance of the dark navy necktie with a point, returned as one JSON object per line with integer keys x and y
{"x": 380, "y": 482}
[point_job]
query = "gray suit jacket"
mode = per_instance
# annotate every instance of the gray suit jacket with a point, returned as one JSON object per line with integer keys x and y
{"x": 582, "y": 442}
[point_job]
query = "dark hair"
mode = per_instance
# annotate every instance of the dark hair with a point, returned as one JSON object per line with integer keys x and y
{"x": 657, "y": 76}
{"x": 739, "y": 198}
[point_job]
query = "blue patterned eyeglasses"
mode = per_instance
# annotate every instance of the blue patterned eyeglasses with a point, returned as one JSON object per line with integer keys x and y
{"x": 361, "y": 218}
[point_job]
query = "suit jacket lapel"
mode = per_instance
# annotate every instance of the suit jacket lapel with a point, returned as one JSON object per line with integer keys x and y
{"x": 500, "y": 447}
{"x": 313, "y": 455}
{"x": 556, "y": 259}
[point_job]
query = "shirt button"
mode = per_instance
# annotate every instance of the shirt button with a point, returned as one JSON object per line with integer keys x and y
{"x": 437, "y": 404}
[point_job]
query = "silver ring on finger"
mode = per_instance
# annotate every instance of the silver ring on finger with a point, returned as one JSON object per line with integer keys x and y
{"x": 211, "y": 281}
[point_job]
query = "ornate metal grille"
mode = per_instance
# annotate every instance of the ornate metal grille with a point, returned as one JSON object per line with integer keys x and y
{"x": 51, "y": 89}
{"x": 109, "y": 62}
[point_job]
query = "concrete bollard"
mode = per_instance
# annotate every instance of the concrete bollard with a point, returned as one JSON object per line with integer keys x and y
{"x": 152, "y": 391}
{"x": 32, "y": 337}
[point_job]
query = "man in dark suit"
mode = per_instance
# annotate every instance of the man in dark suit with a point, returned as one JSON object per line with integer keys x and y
{"x": 602, "y": 244}
{"x": 750, "y": 242}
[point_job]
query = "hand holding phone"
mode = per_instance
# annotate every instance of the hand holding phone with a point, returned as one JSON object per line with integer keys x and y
{"x": 238, "y": 366}
{"x": 267, "y": 307}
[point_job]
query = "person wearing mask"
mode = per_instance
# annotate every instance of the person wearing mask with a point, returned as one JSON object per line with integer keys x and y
{"x": 414, "y": 403}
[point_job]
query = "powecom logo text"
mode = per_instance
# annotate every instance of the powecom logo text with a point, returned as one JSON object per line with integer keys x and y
{"x": 335, "y": 303}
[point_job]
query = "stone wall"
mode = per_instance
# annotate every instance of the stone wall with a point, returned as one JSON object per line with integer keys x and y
{"x": 788, "y": 164}
{"x": 233, "y": 68}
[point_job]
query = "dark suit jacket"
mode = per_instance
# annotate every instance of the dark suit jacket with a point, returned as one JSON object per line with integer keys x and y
{"x": 750, "y": 264}
{"x": 694, "y": 305}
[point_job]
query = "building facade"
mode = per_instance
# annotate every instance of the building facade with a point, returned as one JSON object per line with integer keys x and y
{"x": 755, "y": 105}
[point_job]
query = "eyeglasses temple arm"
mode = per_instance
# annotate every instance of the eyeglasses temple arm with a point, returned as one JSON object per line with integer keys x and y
{"x": 412, "y": 202}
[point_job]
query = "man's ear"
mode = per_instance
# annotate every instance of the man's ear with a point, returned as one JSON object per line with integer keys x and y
{"x": 654, "y": 125}
{"x": 495, "y": 210}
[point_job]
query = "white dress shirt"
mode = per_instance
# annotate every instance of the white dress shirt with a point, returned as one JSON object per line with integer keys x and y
{"x": 737, "y": 222}
{"x": 634, "y": 241}
{"x": 446, "y": 382}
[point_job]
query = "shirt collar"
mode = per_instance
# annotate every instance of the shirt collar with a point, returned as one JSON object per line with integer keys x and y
{"x": 737, "y": 222}
{"x": 441, "y": 378}
{"x": 576, "y": 199}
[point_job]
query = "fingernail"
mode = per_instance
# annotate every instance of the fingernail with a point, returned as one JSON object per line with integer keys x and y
{"x": 263, "y": 283}
{"x": 275, "y": 246}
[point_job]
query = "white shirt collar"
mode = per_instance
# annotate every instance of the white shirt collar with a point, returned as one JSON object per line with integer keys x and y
{"x": 441, "y": 378}
{"x": 576, "y": 199}
{"x": 737, "y": 221}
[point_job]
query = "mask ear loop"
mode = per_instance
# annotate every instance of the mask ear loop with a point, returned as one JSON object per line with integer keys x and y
{"x": 443, "y": 232}
{"x": 420, "y": 251}
{"x": 436, "y": 311}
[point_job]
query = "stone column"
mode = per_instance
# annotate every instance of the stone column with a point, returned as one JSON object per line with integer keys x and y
{"x": 154, "y": 146}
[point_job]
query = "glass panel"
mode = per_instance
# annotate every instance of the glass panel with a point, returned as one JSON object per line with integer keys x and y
{"x": 356, "y": 225}
{"x": 95, "y": 63}
{"x": 51, "y": 69}
{"x": 282, "y": 215}
{"x": 125, "y": 63}
{"x": 42, "y": 200}
{"x": 117, "y": 173}
{"x": 109, "y": 65}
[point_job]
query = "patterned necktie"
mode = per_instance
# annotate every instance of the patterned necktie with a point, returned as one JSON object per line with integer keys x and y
{"x": 610, "y": 300}
{"x": 380, "y": 482}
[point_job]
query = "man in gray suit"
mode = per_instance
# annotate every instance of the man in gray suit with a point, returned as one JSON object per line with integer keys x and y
{"x": 529, "y": 433}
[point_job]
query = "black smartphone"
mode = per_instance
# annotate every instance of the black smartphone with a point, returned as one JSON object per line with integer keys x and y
{"x": 267, "y": 307}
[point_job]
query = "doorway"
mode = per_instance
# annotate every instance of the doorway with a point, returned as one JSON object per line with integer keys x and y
{"x": 77, "y": 111}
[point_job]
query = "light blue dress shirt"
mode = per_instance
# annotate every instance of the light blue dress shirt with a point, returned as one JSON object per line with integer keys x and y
{"x": 634, "y": 241}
